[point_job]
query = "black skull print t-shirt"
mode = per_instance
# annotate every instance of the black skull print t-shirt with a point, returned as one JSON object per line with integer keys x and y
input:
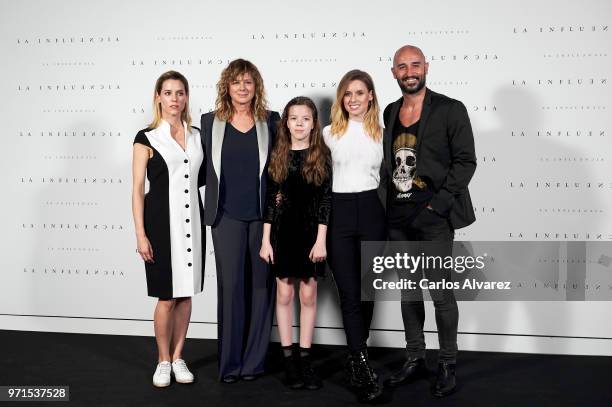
{"x": 410, "y": 193}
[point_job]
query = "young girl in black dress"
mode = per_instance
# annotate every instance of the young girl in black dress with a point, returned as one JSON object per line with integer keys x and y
{"x": 296, "y": 218}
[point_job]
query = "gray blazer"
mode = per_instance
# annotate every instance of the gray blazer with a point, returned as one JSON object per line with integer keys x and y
{"x": 212, "y": 133}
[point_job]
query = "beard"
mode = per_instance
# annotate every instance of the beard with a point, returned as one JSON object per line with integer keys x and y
{"x": 411, "y": 90}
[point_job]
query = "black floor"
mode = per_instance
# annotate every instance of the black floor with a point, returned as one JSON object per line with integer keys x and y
{"x": 104, "y": 370}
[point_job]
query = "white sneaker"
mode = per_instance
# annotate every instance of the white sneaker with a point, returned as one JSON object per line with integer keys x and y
{"x": 181, "y": 373}
{"x": 161, "y": 378}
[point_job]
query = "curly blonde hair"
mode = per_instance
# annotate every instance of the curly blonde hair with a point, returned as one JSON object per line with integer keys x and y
{"x": 223, "y": 105}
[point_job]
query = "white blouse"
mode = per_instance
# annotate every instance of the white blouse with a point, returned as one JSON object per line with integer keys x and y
{"x": 356, "y": 159}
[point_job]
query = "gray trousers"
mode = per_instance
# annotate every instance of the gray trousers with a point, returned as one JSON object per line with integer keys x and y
{"x": 245, "y": 296}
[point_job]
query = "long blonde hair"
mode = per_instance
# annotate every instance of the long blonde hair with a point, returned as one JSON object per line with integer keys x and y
{"x": 157, "y": 109}
{"x": 339, "y": 115}
{"x": 223, "y": 105}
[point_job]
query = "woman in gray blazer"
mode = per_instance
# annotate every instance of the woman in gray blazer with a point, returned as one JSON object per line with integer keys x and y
{"x": 237, "y": 139}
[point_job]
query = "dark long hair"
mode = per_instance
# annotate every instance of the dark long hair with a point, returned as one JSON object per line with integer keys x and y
{"x": 317, "y": 162}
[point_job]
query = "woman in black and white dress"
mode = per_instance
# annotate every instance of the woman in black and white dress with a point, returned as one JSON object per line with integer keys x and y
{"x": 167, "y": 220}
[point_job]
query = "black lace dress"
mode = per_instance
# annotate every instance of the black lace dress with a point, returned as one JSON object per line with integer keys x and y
{"x": 295, "y": 209}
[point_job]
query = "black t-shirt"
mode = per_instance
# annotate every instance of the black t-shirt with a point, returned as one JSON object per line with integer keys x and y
{"x": 239, "y": 188}
{"x": 410, "y": 193}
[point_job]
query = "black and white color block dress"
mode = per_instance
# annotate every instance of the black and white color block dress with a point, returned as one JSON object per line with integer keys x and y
{"x": 173, "y": 213}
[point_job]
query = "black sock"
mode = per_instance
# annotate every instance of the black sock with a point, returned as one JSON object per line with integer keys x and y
{"x": 304, "y": 352}
{"x": 287, "y": 350}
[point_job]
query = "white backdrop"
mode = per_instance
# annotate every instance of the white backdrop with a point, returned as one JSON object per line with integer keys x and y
{"x": 77, "y": 86}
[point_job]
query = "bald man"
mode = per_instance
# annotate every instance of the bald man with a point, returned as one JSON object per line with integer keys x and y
{"x": 429, "y": 160}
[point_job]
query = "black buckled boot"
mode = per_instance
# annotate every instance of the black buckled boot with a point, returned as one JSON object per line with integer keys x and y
{"x": 350, "y": 369}
{"x": 369, "y": 390}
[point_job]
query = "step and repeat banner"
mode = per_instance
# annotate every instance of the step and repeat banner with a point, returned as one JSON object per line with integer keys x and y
{"x": 78, "y": 83}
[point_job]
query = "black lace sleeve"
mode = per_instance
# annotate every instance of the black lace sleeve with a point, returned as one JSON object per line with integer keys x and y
{"x": 325, "y": 194}
{"x": 272, "y": 196}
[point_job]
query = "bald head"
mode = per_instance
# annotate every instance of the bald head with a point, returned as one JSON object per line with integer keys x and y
{"x": 410, "y": 69}
{"x": 408, "y": 51}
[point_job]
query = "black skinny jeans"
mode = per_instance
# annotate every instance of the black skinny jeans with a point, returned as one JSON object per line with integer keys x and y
{"x": 355, "y": 217}
{"x": 428, "y": 226}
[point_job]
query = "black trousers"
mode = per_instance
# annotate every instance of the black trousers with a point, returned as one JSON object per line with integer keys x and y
{"x": 245, "y": 295}
{"x": 355, "y": 217}
{"x": 429, "y": 226}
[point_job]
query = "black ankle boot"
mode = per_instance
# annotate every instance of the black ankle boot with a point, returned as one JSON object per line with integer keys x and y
{"x": 293, "y": 371}
{"x": 445, "y": 382}
{"x": 350, "y": 369}
{"x": 414, "y": 368}
{"x": 309, "y": 376}
{"x": 369, "y": 390}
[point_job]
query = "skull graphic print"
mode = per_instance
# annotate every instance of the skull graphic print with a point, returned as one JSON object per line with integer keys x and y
{"x": 404, "y": 173}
